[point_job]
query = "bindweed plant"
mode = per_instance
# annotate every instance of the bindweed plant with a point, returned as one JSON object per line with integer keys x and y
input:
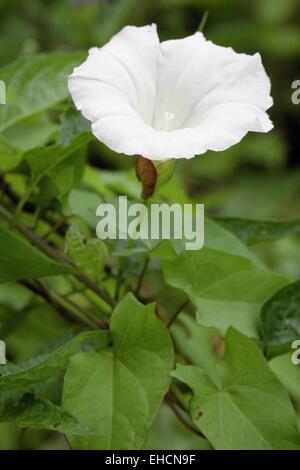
{"x": 108, "y": 332}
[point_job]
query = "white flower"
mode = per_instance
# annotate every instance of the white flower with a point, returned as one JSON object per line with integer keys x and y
{"x": 174, "y": 99}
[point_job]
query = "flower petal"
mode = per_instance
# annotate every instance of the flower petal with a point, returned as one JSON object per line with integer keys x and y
{"x": 119, "y": 78}
{"x": 196, "y": 74}
{"x": 215, "y": 94}
{"x": 173, "y": 100}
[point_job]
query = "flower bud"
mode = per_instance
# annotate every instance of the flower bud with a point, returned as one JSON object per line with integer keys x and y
{"x": 153, "y": 174}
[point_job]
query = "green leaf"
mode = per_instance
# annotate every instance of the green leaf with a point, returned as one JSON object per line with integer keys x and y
{"x": 168, "y": 433}
{"x": 9, "y": 156}
{"x": 49, "y": 365}
{"x": 72, "y": 124}
{"x": 84, "y": 204}
{"x": 217, "y": 238}
{"x": 226, "y": 289}
{"x": 44, "y": 161}
{"x": 31, "y": 132}
{"x": 117, "y": 393}
{"x": 20, "y": 260}
{"x": 30, "y": 412}
{"x": 252, "y": 232}
{"x": 287, "y": 373}
{"x": 251, "y": 410}
{"x": 63, "y": 177}
{"x": 197, "y": 343}
{"x": 90, "y": 257}
{"x": 23, "y": 328}
{"x": 280, "y": 316}
{"x": 121, "y": 182}
{"x": 35, "y": 84}
{"x": 221, "y": 239}
{"x": 108, "y": 398}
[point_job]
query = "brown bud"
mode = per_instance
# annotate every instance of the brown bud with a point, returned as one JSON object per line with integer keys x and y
{"x": 147, "y": 175}
{"x": 154, "y": 174}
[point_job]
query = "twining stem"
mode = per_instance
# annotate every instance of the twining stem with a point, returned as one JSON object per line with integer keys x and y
{"x": 29, "y": 207}
{"x": 169, "y": 399}
{"x": 118, "y": 284}
{"x": 178, "y": 311}
{"x": 22, "y": 202}
{"x": 56, "y": 255}
{"x": 68, "y": 309}
{"x": 90, "y": 295}
{"x": 87, "y": 314}
{"x": 141, "y": 277}
{"x": 58, "y": 307}
{"x": 36, "y": 216}
{"x": 55, "y": 228}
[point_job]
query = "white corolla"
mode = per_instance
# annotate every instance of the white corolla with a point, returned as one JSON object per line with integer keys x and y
{"x": 172, "y": 99}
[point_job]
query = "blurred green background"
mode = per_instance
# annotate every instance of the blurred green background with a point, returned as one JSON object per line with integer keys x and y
{"x": 259, "y": 178}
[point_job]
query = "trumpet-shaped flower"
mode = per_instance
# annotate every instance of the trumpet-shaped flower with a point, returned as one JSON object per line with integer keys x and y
{"x": 172, "y": 99}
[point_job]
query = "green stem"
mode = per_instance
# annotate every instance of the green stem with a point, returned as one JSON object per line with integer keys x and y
{"x": 57, "y": 256}
{"x": 85, "y": 313}
{"x": 179, "y": 414}
{"x": 178, "y": 311}
{"x": 64, "y": 312}
{"x": 21, "y": 203}
{"x": 118, "y": 284}
{"x": 36, "y": 216}
{"x": 203, "y": 21}
{"x": 141, "y": 277}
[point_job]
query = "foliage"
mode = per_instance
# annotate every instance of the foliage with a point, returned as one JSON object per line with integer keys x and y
{"x": 93, "y": 328}
{"x": 248, "y": 408}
